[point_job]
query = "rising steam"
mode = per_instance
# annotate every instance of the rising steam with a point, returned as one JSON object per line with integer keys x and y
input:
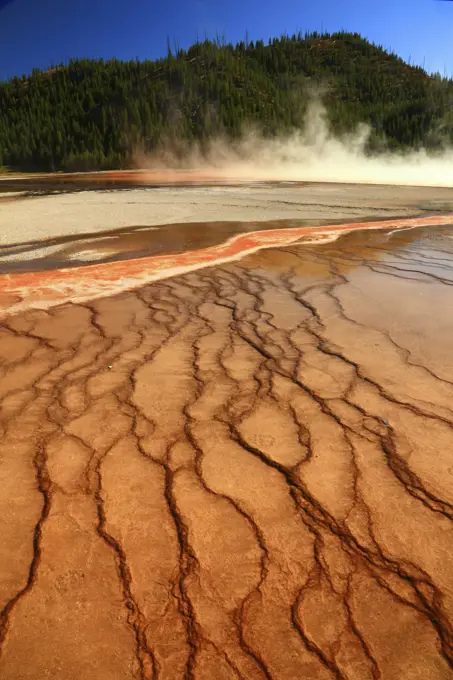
{"x": 311, "y": 154}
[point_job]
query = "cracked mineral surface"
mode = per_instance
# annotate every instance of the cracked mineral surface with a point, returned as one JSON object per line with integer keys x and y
{"x": 243, "y": 471}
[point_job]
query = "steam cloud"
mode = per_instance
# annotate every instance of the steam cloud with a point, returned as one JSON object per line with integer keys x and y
{"x": 311, "y": 154}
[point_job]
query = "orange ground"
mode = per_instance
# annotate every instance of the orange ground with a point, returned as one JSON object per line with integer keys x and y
{"x": 44, "y": 289}
{"x": 243, "y": 471}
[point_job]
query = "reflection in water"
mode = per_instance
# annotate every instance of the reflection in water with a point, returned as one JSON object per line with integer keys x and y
{"x": 136, "y": 242}
{"x": 48, "y": 287}
{"x": 256, "y": 453}
{"x": 351, "y": 249}
{"x": 95, "y": 181}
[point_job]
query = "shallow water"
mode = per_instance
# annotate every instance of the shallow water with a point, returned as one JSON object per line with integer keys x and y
{"x": 228, "y": 467}
{"x": 244, "y": 471}
{"x": 133, "y": 242}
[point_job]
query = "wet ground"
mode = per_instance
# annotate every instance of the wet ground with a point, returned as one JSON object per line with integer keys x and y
{"x": 243, "y": 471}
{"x": 131, "y": 242}
{"x": 49, "y": 222}
{"x": 137, "y": 242}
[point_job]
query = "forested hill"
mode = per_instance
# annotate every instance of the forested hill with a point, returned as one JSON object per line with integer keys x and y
{"x": 92, "y": 113}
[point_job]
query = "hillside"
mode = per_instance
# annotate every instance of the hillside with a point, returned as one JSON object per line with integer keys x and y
{"x": 93, "y": 113}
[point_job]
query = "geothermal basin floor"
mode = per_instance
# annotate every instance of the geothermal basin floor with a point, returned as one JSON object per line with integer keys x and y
{"x": 242, "y": 469}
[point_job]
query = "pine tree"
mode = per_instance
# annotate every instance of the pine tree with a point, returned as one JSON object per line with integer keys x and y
{"x": 90, "y": 113}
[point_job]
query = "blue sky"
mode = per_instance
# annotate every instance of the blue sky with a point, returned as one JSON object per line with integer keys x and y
{"x": 34, "y": 33}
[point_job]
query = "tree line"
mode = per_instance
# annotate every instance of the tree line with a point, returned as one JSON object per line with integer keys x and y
{"x": 93, "y": 114}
